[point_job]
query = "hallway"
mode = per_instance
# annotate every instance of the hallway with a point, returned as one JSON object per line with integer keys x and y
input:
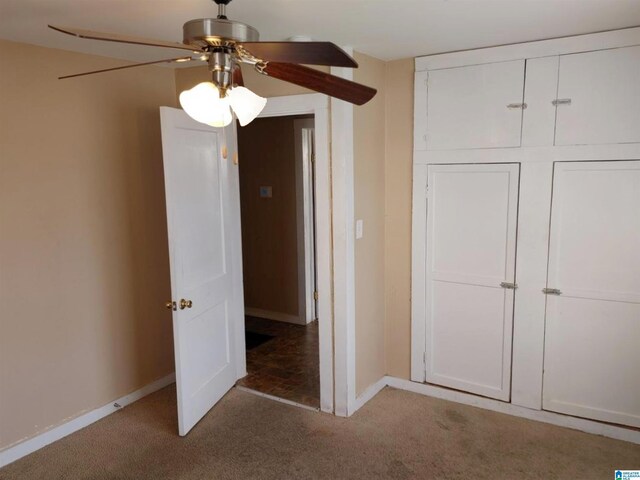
{"x": 285, "y": 365}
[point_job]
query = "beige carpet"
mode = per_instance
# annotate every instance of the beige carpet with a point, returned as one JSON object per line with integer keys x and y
{"x": 397, "y": 435}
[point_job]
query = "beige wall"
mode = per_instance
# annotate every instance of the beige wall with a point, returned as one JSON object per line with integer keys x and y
{"x": 398, "y": 180}
{"x": 84, "y": 269}
{"x": 83, "y": 261}
{"x": 369, "y": 170}
{"x": 269, "y": 225}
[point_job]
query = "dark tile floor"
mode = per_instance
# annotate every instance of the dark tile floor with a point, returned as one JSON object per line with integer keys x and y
{"x": 286, "y": 366}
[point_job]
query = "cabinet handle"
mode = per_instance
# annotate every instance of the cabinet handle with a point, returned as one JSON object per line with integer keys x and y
{"x": 510, "y": 286}
{"x": 517, "y": 105}
{"x": 551, "y": 291}
{"x": 561, "y": 101}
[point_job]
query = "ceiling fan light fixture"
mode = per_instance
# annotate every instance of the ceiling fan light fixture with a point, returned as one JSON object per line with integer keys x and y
{"x": 204, "y": 105}
{"x": 245, "y": 104}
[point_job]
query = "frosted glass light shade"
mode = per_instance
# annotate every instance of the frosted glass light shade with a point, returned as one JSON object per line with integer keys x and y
{"x": 246, "y": 104}
{"x": 204, "y": 105}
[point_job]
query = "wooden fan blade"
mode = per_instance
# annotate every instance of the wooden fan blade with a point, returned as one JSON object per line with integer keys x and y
{"x": 310, "y": 53}
{"x": 237, "y": 76}
{"x": 331, "y": 85}
{"x": 114, "y": 37}
{"x": 169, "y": 60}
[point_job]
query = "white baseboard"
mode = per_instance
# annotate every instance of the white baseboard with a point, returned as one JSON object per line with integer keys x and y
{"x": 582, "y": 424}
{"x": 370, "y": 392}
{"x": 269, "y": 315}
{"x": 25, "y": 447}
{"x": 575, "y": 423}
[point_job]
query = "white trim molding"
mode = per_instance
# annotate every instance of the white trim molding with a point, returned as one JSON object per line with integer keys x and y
{"x": 343, "y": 249}
{"x": 575, "y": 423}
{"x": 370, "y": 392}
{"x": 589, "y": 426}
{"x": 625, "y": 37}
{"x": 25, "y": 447}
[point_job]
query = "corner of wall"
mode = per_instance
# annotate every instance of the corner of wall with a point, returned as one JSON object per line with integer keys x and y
{"x": 399, "y": 75}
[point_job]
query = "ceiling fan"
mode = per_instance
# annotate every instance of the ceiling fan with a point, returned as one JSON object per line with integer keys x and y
{"x": 226, "y": 44}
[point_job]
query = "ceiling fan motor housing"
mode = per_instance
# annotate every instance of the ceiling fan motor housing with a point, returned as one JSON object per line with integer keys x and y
{"x": 221, "y": 65}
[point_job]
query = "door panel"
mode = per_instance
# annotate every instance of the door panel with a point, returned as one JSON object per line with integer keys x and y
{"x": 467, "y": 337}
{"x": 471, "y": 239}
{"x": 604, "y": 94}
{"x": 592, "y": 358}
{"x": 202, "y": 224}
{"x": 590, "y": 362}
{"x": 468, "y": 107}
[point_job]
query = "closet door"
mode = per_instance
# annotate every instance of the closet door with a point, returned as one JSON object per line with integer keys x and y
{"x": 479, "y": 106}
{"x": 599, "y": 97}
{"x": 471, "y": 246}
{"x": 593, "y": 319}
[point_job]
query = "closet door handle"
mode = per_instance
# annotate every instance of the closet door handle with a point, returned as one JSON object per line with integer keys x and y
{"x": 561, "y": 101}
{"x": 508, "y": 285}
{"x": 551, "y": 291}
{"x": 517, "y": 105}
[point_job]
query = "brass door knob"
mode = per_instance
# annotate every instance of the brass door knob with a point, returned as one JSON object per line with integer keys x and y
{"x": 185, "y": 304}
{"x": 171, "y": 306}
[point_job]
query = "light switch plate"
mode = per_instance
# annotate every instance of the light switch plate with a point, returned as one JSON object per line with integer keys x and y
{"x": 359, "y": 227}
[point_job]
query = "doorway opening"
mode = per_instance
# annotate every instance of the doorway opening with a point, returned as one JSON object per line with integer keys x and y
{"x": 277, "y": 199}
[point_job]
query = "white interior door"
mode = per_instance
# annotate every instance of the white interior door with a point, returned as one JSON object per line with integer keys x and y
{"x": 204, "y": 242}
{"x": 478, "y": 106}
{"x": 592, "y": 333}
{"x": 471, "y": 246}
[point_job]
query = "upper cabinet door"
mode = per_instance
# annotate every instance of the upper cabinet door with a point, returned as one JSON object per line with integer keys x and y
{"x": 479, "y": 106}
{"x": 599, "y": 97}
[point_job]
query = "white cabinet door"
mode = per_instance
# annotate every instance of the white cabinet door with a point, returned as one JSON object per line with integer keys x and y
{"x": 204, "y": 254}
{"x": 475, "y": 107}
{"x": 471, "y": 245}
{"x": 592, "y": 330}
{"x": 604, "y": 90}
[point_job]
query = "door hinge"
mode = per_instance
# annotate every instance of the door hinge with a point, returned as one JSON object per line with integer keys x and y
{"x": 561, "y": 101}
{"x": 517, "y": 105}
{"x": 509, "y": 285}
{"x": 551, "y": 291}
{"x": 315, "y": 295}
{"x": 313, "y": 158}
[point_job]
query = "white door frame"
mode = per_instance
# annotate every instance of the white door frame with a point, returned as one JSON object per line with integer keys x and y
{"x": 304, "y": 150}
{"x": 318, "y": 106}
{"x": 344, "y": 237}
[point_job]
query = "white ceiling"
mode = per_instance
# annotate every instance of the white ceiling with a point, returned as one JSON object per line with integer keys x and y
{"x": 387, "y": 29}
